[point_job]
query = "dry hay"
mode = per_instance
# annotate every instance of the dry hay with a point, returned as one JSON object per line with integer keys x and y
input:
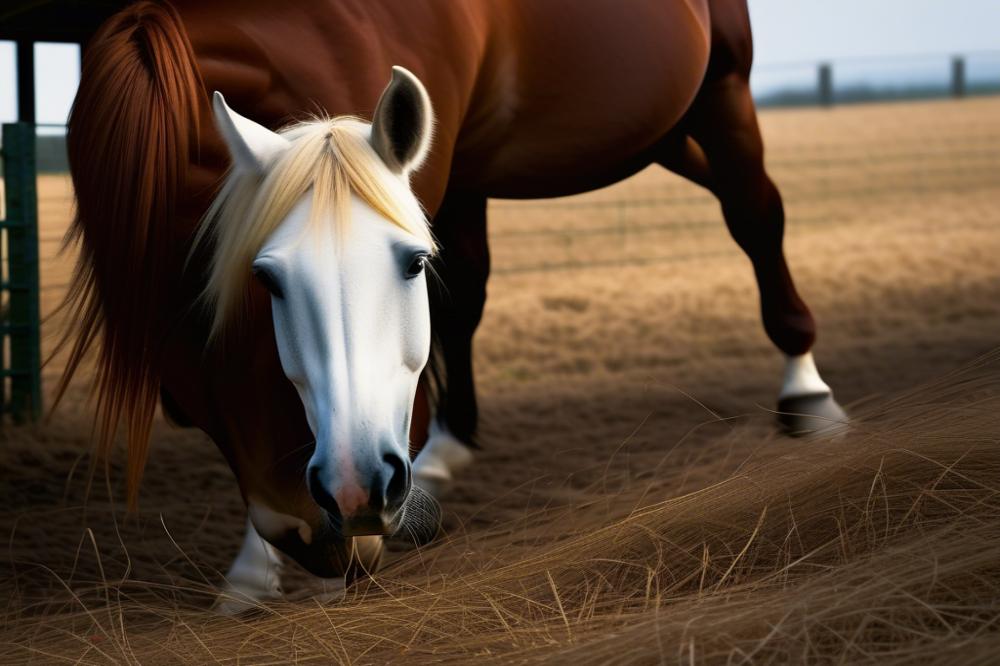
{"x": 881, "y": 545}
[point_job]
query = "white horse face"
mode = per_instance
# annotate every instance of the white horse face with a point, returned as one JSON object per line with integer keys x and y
{"x": 352, "y": 325}
{"x": 351, "y": 317}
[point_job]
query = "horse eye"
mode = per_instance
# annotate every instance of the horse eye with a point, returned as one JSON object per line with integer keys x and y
{"x": 266, "y": 279}
{"x": 416, "y": 266}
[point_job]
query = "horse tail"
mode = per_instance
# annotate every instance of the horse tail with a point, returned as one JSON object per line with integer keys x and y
{"x": 130, "y": 135}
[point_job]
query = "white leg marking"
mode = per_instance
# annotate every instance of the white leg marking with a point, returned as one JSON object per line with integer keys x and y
{"x": 802, "y": 378}
{"x": 254, "y": 576}
{"x": 806, "y": 404}
{"x": 440, "y": 459}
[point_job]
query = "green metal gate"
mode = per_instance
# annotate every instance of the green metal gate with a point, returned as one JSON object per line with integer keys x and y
{"x": 20, "y": 321}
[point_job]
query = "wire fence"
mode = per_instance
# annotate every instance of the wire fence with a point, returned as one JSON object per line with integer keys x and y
{"x": 656, "y": 217}
{"x": 832, "y": 169}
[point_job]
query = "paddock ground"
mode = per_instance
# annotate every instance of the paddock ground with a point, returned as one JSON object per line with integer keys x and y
{"x": 632, "y": 502}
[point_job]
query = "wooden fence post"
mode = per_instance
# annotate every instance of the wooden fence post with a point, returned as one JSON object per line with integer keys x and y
{"x": 825, "y": 84}
{"x": 958, "y": 76}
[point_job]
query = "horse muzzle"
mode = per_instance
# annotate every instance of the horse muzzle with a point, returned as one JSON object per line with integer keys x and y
{"x": 416, "y": 521}
{"x": 361, "y": 498}
{"x": 327, "y": 546}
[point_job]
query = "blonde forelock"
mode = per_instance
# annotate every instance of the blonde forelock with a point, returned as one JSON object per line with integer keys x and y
{"x": 331, "y": 157}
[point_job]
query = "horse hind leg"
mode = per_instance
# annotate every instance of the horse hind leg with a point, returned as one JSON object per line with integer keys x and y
{"x": 720, "y": 148}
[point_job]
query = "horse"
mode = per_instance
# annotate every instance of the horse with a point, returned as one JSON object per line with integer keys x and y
{"x": 271, "y": 357}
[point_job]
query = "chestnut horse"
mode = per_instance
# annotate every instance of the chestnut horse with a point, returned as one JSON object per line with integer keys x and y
{"x": 532, "y": 98}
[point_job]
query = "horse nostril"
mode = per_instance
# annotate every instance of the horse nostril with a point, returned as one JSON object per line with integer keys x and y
{"x": 384, "y": 490}
{"x": 398, "y": 479}
{"x": 319, "y": 492}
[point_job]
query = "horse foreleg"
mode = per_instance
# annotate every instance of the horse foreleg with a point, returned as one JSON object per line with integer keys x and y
{"x": 456, "y": 308}
{"x": 253, "y": 577}
{"x": 725, "y": 153}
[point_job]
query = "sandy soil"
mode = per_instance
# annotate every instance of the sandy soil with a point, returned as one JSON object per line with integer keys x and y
{"x": 621, "y": 366}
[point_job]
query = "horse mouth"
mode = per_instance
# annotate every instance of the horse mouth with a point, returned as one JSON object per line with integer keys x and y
{"x": 331, "y": 551}
{"x": 373, "y": 524}
{"x": 417, "y": 519}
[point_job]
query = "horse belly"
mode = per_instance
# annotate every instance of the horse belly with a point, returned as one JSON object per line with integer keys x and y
{"x": 584, "y": 95}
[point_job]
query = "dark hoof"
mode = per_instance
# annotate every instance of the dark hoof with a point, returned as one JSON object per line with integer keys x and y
{"x": 817, "y": 414}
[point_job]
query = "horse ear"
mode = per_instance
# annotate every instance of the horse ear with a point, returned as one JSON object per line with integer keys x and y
{"x": 252, "y": 146}
{"x": 402, "y": 126}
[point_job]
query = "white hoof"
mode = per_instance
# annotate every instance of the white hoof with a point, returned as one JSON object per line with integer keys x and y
{"x": 435, "y": 466}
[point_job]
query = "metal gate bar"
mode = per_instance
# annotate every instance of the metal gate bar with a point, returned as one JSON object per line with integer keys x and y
{"x": 20, "y": 321}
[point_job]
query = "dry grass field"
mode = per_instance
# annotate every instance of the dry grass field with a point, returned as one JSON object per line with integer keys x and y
{"x": 633, "y": 502}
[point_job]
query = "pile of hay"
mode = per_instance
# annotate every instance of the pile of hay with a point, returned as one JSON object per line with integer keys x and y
{"x": 880, "y": 545}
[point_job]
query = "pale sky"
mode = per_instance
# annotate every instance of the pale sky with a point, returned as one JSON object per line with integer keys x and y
{"x": 811, "y": 30}
{"x": 785, "y": 31}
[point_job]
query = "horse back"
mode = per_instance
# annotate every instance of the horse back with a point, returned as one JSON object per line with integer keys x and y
{"x": 532, "y": 97}
{"x": 578, "y": 91}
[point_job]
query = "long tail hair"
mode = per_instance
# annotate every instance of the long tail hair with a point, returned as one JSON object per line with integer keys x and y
{"x": 130, "y": 136}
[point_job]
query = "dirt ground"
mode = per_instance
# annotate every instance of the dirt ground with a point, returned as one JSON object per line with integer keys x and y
{"x": 632, "y": 502}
